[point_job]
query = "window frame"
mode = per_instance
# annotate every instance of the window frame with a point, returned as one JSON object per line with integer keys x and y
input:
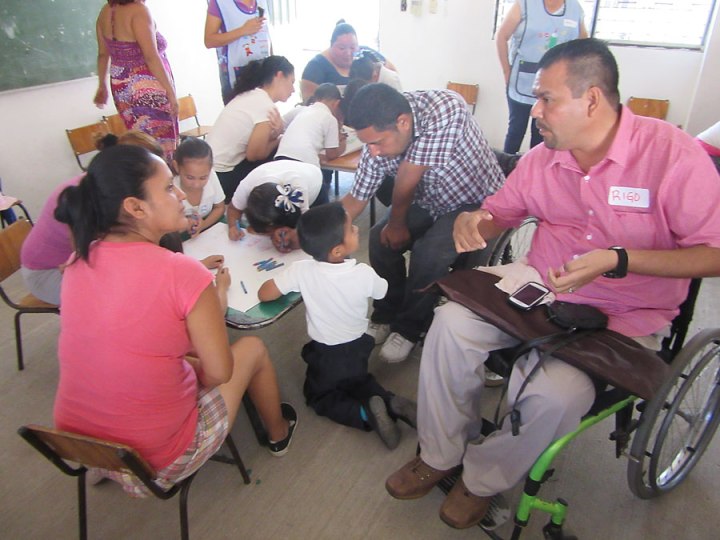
{"x": 591, "y": 23}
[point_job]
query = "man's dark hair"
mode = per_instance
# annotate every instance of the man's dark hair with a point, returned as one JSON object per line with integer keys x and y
{"x": 377, "y": 105}
{"x": 320, "y": 229}
{"x": 589, "y": 63}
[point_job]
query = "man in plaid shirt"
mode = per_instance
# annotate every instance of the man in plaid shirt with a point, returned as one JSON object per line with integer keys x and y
{"x": 442, "y": 165}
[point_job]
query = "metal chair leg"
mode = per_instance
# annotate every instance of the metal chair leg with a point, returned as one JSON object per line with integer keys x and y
{"x": 238, "y": 461}
{"x": 18, "y": 341}
{"x": 184, "y": 528}
{"x": 255, "y": 422}
{"x": 82, "y": 505}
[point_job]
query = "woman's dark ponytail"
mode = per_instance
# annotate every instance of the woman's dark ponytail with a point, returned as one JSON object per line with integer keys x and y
{"x": 92, "y": 208}
{"x": 261, "y": 72}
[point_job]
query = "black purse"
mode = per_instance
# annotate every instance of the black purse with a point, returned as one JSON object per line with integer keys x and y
{"x": 576, "y": 316}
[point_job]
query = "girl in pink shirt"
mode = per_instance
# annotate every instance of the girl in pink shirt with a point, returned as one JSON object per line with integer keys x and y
{"x": 144, "y": 354}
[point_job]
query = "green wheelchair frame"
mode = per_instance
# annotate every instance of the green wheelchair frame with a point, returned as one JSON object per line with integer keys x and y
{"x": 673, "y": 429}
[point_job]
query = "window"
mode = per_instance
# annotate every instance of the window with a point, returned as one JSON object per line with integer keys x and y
{"x": 664, "y": 23}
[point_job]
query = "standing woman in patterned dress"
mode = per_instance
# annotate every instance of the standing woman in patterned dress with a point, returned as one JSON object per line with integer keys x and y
{"x": 133, "y": 51}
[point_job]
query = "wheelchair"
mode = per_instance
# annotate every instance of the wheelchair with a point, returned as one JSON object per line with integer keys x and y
{"x": 666, "y": 439}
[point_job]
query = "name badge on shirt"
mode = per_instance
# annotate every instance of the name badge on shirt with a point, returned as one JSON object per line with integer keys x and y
{"x": 629, "y": 196}
{"x": 569, "y": 23}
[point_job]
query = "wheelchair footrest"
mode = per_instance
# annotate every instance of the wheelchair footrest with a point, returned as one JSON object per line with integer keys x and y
{"x": 551, "y": 531}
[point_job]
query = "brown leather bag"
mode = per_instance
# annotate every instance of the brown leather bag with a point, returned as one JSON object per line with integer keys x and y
{"x": 603, "y": 354}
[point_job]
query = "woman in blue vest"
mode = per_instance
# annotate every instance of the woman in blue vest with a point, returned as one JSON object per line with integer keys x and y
{"x": 237, "y": 29}
{"x": 531, "y": 27}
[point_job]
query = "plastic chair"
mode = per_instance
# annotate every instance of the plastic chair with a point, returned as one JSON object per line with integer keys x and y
{"x": 187, "y": 110}
{"x": 11, "y": 241}
{"x": 60, "y": 447}
{"x": 82, "y": 139}
{"x": 655, "y": 108}
{"x": 115, "y": 124}
{"x": 469, "y": 92}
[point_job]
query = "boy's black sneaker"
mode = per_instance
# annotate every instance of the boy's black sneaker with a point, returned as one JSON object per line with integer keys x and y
{"x": 382, "y": 424}
{"x": 280, "y": 448}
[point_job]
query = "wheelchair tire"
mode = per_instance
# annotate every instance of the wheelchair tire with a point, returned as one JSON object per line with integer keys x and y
{"x": 679, "y": 422}
{"x": 513, "y": 243}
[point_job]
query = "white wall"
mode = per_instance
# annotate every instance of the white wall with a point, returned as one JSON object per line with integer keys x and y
{"x": 454, "y": 44}
{"x": 705, "y": 102}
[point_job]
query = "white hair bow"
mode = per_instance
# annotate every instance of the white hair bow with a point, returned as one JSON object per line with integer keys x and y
{"x": 290, "y": 198}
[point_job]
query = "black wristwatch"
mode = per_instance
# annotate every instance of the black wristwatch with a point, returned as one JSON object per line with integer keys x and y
{"x": 620, "y": 270}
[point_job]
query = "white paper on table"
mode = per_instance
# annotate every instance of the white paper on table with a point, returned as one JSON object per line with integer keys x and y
{"x": 239, "y": 258}
{"x": 352, "y": 143}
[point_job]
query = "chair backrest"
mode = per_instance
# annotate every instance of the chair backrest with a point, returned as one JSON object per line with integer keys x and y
{"x": 115, "y": 124}
{"x": 11, "y": 241}
{"x": 187, "y": 109}
{"x": 655, "y": 108}
{"x": 469, "y": 92}
{"x": 86, "y": 451}
{"x": 82, "y": 139}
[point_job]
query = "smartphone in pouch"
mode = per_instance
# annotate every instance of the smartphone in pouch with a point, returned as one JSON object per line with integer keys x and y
{"x": 261, "y": 12}
{"x": 528, "y": 296}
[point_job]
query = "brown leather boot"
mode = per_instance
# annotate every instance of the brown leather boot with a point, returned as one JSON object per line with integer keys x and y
{"x": 462, "y": 509}
{"x": 415, "y": 479}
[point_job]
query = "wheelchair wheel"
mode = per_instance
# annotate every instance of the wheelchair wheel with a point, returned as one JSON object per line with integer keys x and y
{"x": 679, "y": 422}
{"x": 513, "y": 243}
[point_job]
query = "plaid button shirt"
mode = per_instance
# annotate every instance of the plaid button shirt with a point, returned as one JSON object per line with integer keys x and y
{"x": 447, "y": 139}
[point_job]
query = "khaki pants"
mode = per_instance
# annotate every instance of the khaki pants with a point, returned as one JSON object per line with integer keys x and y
{"x": 451, "y": 382}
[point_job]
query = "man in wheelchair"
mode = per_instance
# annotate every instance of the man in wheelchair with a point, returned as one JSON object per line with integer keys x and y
{"x": 627, "y": 213}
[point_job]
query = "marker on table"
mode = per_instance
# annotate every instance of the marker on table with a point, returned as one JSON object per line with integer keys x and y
{"x": 242, "y": 284}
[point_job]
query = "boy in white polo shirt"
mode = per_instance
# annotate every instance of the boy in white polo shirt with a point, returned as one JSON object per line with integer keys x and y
{"x": 335, "y": 290}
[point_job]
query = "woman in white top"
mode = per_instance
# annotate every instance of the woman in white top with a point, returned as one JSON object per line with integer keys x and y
{"x": 248, "y": 130}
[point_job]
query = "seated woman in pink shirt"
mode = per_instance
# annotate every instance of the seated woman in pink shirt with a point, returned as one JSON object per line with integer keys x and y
{"x": 144, "y": 354}
{"x": 48, "y": 246}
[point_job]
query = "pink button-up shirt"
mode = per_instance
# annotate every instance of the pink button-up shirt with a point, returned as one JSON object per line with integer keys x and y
{"x": 655, "y": 189}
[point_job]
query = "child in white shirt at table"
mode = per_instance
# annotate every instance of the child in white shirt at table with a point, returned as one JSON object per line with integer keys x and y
{"x": 205, "y": 203}
{"x": 272, "y": 197}
{"x": 315, "y": 129}
{"x": 335, "y": 290}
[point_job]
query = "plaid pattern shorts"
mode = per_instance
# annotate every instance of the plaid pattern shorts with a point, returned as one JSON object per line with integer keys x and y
{"x": 211, "y": 431}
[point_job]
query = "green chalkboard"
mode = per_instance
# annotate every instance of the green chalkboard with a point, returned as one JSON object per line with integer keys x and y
{"x": 45, "y": 41}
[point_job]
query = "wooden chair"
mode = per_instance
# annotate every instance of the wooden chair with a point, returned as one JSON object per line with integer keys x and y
{"x": 82, "y": 139}
{"x": 469, "y": 92}
{"x": 61, "y": 447}
{"x": 187, "y": 110}
{"x": 11, "y": 241}
{"x": 655, "y": 108}
{"x": 115, "y": 124}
